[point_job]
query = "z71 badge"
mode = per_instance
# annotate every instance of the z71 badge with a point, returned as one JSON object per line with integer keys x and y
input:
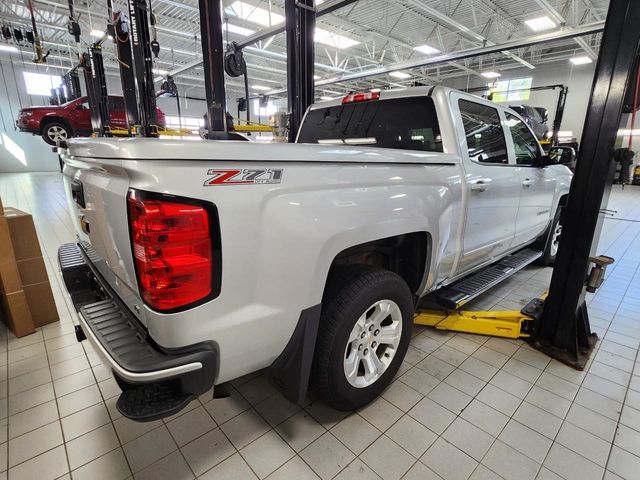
{"x": 245, "y": 176}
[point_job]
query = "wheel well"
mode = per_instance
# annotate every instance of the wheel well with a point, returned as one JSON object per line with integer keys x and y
{"x": 47, "y": 120}
{"x": 405, "y": 255}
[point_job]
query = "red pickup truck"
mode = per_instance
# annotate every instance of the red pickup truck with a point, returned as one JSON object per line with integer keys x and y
{"x": 72, "y": 119}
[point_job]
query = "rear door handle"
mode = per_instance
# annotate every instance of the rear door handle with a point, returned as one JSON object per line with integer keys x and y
{"x": 526, "y": 183}
{"x": 480, "y": 185}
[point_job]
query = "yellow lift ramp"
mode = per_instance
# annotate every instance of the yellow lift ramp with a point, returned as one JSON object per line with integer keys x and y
{"x": 496, "y": 323}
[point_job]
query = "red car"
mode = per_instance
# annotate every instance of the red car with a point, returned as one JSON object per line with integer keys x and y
{"x": 72, "y": 119}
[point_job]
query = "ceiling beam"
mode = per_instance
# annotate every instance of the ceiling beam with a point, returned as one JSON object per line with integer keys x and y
{"x": 537, "y": 39}
{"x": 461, "y": 29}
{"x": 558, "y": 17}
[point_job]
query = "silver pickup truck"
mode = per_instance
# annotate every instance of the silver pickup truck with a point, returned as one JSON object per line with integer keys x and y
{"x": 198, "y": 262}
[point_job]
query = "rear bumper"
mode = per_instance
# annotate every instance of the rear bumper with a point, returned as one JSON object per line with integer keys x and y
{"x": 135, "y": 359}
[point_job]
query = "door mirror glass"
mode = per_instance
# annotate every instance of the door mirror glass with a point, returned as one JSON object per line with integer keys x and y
{"x": 562, "y": 155}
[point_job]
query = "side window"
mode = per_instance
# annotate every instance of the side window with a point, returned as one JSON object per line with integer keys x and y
{"x": 483, "y": 130}
{"x": 524, "y": 143}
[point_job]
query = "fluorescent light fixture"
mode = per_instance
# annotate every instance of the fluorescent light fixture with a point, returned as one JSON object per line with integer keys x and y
{"x": 231, "y": 28}
{"x": 565, "y": 133}
{"x": 334, "y": 40}
{"x": 580, "y": 60}
{"x": 261, "y": 87}
{"x": 400, "y": 75}
{"x": 96, "y": 33}
{"x": 160, "y": 71}
{"x": 326, "y": 99}
{"x": 316, "y": 77}
{"x": 9, "y": 48}
{"x": 426, "y": 49}
{"x": 539, "y": 24}
{"x": 254, "y": 14}
{"x": 491, "y": 74}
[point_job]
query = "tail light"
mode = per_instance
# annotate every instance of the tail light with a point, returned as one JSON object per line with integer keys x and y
{"x": 175, "y": 250}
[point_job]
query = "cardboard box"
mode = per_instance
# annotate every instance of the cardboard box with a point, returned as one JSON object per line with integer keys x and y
{"x": 16, "y": 314}
{"x": 25, "y": 293}
{"x": 41, "y": 304}
{"x": 23, "y": 234}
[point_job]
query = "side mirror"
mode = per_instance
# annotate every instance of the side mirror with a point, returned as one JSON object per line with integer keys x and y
{"x": 562, "y": 155}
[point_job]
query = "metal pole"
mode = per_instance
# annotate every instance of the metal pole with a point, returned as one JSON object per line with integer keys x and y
{"x": 213, "y": 58}
{"x": 300, "y": 20}
{"x": 563, "y": 331}
{"x": 143, "y": 65}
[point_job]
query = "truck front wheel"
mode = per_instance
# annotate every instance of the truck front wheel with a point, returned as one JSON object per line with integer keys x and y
{"x": 364, "y": 334}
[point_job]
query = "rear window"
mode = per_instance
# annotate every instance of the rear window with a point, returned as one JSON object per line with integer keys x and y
{"x": 405, "y": 123}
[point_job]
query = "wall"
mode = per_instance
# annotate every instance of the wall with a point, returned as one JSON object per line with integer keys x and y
{"x": 21, "y": 152}
{"x": 579, "y": 80}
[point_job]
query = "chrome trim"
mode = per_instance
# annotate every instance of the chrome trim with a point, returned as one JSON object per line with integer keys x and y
{"x": 133, "y": 376}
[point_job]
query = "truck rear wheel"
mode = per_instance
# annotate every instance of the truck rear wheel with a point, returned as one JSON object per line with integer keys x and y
{"x": 364, "y": 334}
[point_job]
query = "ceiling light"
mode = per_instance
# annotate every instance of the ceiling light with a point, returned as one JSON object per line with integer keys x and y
{"x": 316, "y": 77}
{"x": 8, "y": 48}
{"x": 231, "y": 28}
{"x": 96, "y": 33}
{"x": 491, "y": 74}
{"x": 539, "y": 24}
{"x": 326, "y": 99}
{"x": 426, "y": 49}
{"x": 333, "y": 39}
{"x": 160, "y": 71}
{"x": 580, "y": 60}
{"x": 400, "y": 75}
{"x": 261, "y": 87}
{"x": 376, "y": 90}
{"x": 254, "y": 14}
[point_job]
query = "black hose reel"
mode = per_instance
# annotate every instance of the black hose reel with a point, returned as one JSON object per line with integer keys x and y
{"x": 234, "y": 66}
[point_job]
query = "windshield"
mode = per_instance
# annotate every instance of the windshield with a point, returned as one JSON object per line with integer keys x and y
{"x": 407, "y": 123}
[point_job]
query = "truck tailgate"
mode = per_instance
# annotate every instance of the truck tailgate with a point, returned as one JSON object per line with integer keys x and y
{"x": 97, "y": 199}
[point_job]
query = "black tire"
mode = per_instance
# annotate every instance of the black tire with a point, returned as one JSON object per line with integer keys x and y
{"x": 550, "y": 251}
{"x": 350, "y": 293}
{"x": 49, "y": 128}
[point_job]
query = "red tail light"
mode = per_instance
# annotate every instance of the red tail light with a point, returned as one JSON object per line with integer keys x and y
{"x": 361, "y": 97}
{"x": 173, "y": 250}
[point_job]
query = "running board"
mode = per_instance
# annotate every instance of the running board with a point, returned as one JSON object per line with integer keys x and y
{"x": 456, "y": 295}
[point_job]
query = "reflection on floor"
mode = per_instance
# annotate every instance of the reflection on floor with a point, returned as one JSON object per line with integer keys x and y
{"x": 463, "y": 406}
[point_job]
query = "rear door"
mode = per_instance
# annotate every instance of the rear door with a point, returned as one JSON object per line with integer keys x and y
{"x": 537, "y": 189}
{"x": 492, "y": 181}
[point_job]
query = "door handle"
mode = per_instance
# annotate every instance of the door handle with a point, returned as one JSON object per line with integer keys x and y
{"x": 480, "y": 185}
{"x": 526, "y": 183}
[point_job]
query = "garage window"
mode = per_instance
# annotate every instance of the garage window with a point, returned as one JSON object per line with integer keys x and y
{"x": 484, "y": 134}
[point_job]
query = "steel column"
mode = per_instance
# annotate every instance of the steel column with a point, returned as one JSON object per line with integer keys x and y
{"x": 563, "y": 331}
{"x": 120, "y": 30}
{"x": 143, "y": 65}
{"x": 213, "y": 63}
{"x": 300, "y": 22}
{"x": 96, "y": 84}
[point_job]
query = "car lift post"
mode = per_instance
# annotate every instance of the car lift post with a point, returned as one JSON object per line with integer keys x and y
{"x": 563, "y": 329}
{"x": 120, "y": 30}
{"x": 300, "y": 21}
{"x": 95, "y": 80}
{"x": 143, "y": 66}
{"x": 213, "y": 64}
{"x": 71, "y": 81}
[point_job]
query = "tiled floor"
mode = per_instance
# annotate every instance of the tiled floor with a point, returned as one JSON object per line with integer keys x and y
{"x": 463, "y": 406}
